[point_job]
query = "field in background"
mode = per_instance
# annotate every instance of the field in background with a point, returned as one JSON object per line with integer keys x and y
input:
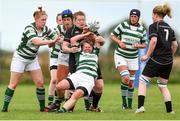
{"x": 109, "y": 72}
{"x": 24, "y": 106}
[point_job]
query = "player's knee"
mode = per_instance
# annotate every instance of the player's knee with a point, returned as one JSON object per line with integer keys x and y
{"x": 61, "y": 86}
{"x": 144, "y": 80}
{"x": 12, "y": 85}
{"x": 40, "y": 84}
{"x": 131, "y": 84}
{"x": 53, "y": 81}
{"x": 162, "y": 84}
{"x": 125, "y": 76}
{"x": 99, "y": 86}
{"x": 80, "y": 92}
{"x": 126, "y": 80}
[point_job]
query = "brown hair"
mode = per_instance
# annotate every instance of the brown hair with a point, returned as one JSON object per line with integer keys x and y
{"x": 59, "y": 14}
{"x": 38, "y": 13}
{"x": 86, "y": 41}
{"x": 79, "y": 13}
{"x": 162, "y": 10}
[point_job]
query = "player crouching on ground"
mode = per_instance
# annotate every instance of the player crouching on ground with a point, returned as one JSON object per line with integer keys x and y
{"x": 83, "y": 79}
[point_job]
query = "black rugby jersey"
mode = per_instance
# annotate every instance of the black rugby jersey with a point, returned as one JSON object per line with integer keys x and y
{"x": 165, "y": 35}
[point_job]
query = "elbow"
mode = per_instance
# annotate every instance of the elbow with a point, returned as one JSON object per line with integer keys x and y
{"x": 73, "y": 41}
{"x": 36, "y": 43}
{"x": 112, "y": 37}
{"x": 144, "y": 46}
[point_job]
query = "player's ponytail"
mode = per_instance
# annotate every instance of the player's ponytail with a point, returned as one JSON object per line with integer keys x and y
{"x": 38, "y": 13}
{"x": 162, "y": 10}
{"x": 167, "y": 10}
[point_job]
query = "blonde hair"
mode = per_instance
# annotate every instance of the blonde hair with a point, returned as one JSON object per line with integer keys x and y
{"x": 162, "y": 10}
{"x": 38, "y": 13}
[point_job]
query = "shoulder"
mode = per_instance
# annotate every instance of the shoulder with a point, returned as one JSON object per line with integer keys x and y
{"x": 154, "y": 25}
{"x": 141, "y": 28}
{"x": 30, "y": 28}
{"x": 60, "y": 29}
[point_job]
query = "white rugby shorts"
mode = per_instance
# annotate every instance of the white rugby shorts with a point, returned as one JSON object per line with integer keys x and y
{"x": 132, "y": 64}
{"x": 19, "y": 64}
{"x": 83, "y": 80}
{"x": 63, "y": 59}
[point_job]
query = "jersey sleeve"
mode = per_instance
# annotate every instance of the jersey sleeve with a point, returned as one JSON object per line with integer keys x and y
{"x": 96, "y": 50}
{"x": 51, "y": 34}
{"x": 173, "y": 36}
{"x": 144, "y": 38}
{"x": 117, "y": 31}
{"x": 30, "y": 33}
{"x": 153, "y": 30}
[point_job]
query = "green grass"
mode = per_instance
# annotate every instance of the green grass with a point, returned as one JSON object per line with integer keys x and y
{"x": 24, "y": 106}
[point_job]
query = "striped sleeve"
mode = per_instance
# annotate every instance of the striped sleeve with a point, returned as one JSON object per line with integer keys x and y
{"x": 118, "y": 31}
{"x": 30, "y": 33}
{"x": 51, "y": 34}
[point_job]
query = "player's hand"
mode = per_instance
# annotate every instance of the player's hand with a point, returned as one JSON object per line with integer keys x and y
{"x": 74, "y": 50}
{"x": 135, "y": 45}
{"x": 55, "y": 39}
{"x": 144, "y": 58}
{"x": 122, "y": 45}
{"x": 85, "y": 29}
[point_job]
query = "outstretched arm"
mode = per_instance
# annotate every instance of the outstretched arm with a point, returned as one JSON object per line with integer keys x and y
{"x": 39, "y": 41}
{"x": 67, "y": 49}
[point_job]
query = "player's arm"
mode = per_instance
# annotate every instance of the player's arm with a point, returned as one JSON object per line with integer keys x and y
{"x": 67, "y": 49}
{"x": 117, "y": 41}
{"x": 99, "y": 41}
{"x": 137, "y": 45}
{"x": 38, "y": 41}
{"x": 76, "y": 38}
{"x": 174, "y": 46}
{"x": 151, "y": 48}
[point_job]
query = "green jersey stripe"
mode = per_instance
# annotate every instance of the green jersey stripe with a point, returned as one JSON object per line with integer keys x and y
{"x": 129, "y": 35}
{"x": 21, "y": 50}
{"x": 87, "y": 61}
{"x": 86, "y": 68}
{"x": 31, "y": 49}
{"x": 27, "y": 57}
{"x": 26, "y": 48}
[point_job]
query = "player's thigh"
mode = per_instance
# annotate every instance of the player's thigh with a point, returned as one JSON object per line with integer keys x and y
{"x": 62, "y": 72}
{"x": 33, "y": 65}
{"x": 120, "y": 62}
{"x": 132, "y": 64}
{"x": 15, "y": 77}
{"x": 53, "y": 74}
{"x": 17, "y": 65}
{"x": 37, "y": 77}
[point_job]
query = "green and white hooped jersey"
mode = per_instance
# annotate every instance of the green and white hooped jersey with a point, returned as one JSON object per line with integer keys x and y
{"x": 26, "y": 48}
{"x": 129, "y": 35}
{"x": 88, "y": 62}
{"x": 56, "y": 48}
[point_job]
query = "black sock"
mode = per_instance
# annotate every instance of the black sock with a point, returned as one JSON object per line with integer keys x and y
{"x": 141, "y": 99}
{"x": 96, "y": 98}
{"x": 168, "y": 106}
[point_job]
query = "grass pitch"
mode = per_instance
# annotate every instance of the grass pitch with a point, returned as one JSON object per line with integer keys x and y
{"x": 24, "y": 106}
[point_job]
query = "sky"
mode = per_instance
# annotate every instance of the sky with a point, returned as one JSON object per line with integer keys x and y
{"x": 16, "y": 14}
